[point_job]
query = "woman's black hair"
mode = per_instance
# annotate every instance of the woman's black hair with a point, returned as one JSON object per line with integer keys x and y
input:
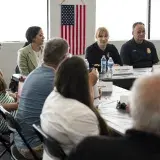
{"x": 31, "y": 34}
{"x": 72, "y": 81}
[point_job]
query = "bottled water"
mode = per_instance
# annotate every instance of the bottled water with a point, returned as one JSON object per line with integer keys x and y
{"x": 110, "y": 67}
{"x": 103, "y": 64}
{"x": 87, "y": 63}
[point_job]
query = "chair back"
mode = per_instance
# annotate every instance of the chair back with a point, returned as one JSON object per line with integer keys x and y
{"x": 51, "y": 145}
{"x": 14, "y": 126}
{"x": 6, "y": 139}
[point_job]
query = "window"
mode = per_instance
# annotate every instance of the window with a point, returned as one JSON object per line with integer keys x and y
{"x": 18, "y": 15}
{"x": 118, "y": 16}
{"x": 155, "y": 23}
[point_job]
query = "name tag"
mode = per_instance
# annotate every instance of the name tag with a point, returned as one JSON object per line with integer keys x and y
{"x": 121, "y": 70}
{"x": 106, "y": 86}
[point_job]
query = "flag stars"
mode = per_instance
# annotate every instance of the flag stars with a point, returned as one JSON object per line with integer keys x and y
{"x": 67, "y": 14}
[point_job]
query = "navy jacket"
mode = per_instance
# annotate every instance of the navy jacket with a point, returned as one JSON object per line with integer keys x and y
{"x": 94, "y": 54}
{"x": 139, "y": 55}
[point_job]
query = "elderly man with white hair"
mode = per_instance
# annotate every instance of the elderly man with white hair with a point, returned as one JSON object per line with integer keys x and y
{"x": 142, "y": 141}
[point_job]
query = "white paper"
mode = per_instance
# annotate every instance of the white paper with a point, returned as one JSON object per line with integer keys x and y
{"x": 156, "y": 68}
{"x": 105, "y": 86}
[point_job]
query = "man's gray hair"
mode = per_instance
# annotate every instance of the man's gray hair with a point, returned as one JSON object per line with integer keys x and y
{"x": 136, "y": 23}
{"x": 145, "y": 103}
{"x": 55, "y": 50}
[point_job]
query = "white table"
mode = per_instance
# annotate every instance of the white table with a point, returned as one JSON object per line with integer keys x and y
{"x": 137, "y": 72}
{"x": 126, "y": 81}
{"x": 118, "y": 120}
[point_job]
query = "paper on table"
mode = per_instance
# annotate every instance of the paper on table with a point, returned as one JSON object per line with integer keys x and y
{"x": 156, "y": 68}
{"x": 105, "y": 86}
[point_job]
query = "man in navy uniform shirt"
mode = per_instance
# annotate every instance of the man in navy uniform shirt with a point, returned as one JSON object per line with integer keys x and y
{"x": 139, "y": 52}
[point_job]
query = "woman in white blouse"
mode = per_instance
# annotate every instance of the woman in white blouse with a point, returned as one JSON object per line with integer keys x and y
{"x": 30, "y": 56}
{"x": 68, "y": 114}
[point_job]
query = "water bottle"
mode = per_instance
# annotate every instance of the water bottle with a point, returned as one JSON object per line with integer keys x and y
{"x": 103, "y": 64}
{"x": 110, "y": 67}
{"x": 87, "y": 63}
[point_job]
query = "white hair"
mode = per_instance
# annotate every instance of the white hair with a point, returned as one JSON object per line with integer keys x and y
{"x": 145, "y": 103}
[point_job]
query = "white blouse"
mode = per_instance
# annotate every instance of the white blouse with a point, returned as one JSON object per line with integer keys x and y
{"x": 39, "y": 57}
{"x": 67, "y": 120}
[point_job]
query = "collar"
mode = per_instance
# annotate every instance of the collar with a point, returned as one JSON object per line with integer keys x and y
{"x": 133, "y": 41}
{"x": 97, "y": 46}
{"x": 45, "y": 65}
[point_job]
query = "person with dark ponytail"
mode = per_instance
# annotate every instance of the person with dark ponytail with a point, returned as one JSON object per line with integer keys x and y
{"x": 30, "y": 56}
{"x": 68, "y": 113}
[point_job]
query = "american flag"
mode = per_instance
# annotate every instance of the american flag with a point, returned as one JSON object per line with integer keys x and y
{"x": 73, "y": 27}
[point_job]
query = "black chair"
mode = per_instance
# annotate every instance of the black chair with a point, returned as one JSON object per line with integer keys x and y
{"x": 5, "y": 140}
{"x": 14, "y": 127}
{"x": 51, "y": 145}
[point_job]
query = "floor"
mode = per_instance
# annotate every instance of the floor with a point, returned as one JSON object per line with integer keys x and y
{"x": 6, "y": 156}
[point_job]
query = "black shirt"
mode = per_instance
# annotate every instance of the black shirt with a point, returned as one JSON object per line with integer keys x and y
{"x": 94, "y": 54}
{"x": 139, "y": 55}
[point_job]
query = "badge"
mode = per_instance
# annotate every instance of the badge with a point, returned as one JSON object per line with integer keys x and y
{"x": 148, "y": 50}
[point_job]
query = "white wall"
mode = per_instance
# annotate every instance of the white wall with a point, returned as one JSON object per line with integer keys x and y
{"x": 90, "y": 18}
{"x": 8, "y": 51}
{"x": 8, "y": 57}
